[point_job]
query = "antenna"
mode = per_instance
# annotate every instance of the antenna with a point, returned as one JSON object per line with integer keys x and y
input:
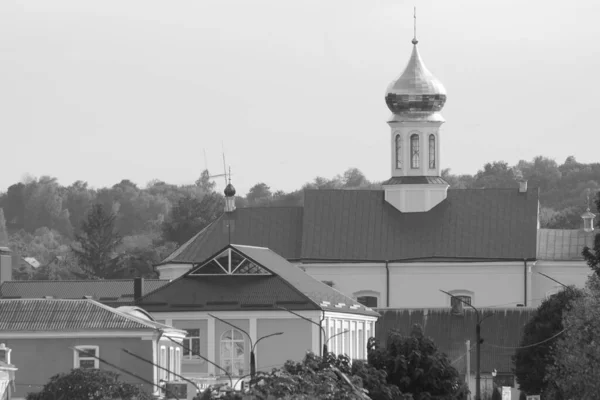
{"x": 415, "y": 41}
{"x": 224, "y": 167}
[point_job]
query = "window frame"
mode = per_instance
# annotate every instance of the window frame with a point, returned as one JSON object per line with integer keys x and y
{"x": 398, "y": 143}
{"x": 461, "y": 293}
{"x": 187, "y": 342}
{"x": 367, "y": 293}
{"x": 233, "y": 359}
{"x": 415, "y": 156}
{"x": 77, "y": 357}
{"x": 432, "y": 159}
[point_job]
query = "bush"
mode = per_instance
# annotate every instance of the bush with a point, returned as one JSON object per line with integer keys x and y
{"x": 88, "y": 384}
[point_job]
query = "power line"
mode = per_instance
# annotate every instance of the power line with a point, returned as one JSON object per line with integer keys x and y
{"x": 529, "y": 345}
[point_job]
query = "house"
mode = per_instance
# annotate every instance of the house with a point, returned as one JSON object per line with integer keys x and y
{"x": 7, "y": 373}
{"x": 50, "y": 336}
{"x": 501, "y": 333}
{"x": 112, "y": 292}
{"x": 242, "y": 295}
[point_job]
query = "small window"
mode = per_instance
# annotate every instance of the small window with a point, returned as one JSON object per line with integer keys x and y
{"x": 414, "y": 152}
{"x": 431, "y": 151}
{"x": 191, "y": 344}
{"x": 233, "y": 350}
{"x": 460, "y": 301}
{"x": 86, "y": 357}
{"x": 367, "y": 301}
{"x": 398, "y": 152}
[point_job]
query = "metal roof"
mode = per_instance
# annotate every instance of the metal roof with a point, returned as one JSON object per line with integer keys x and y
{"x": 563, "y": 244}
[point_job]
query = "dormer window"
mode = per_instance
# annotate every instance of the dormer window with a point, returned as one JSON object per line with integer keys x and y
{"x": 398, "y": 152}
{"x": 431, "y": 151}
{"x": 414, "y": 151}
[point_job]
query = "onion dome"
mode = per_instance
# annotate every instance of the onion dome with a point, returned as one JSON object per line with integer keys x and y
{"x": 229, "y": 190}
{"x": 416, "y": 89}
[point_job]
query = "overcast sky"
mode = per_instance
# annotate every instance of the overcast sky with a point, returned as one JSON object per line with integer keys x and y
{"x": 107, "y": 90}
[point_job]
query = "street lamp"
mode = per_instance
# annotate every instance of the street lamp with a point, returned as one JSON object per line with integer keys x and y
{"x": 477, "y": 345}
{"x": 252, "y": 344}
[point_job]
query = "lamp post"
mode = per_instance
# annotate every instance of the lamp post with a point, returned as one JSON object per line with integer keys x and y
{"x": 477, "y": 344}
{"x": 252, "y": 344}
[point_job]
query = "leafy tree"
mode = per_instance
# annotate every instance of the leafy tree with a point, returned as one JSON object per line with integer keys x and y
{"x": 496, "y": 175}
{"x": 531, "y": 362}
{"x": 416, "y": 366}
{"x": 78, "y": 198}
{"x": 97, "y": 243}
{"x": 88, "y": 384}
{"x": 14, "y": 206}
{"x": 592, "y": 256}
{"x": 3, "y": 232}
{"x": 205, "y": 183}
{"x": 259, "y": 194}
{"x": 190, "y": 215}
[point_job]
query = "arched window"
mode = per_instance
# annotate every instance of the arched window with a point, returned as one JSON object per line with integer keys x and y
{"x": 368, "y": 298}
{"x": 431, "y": 151}
{"x": 398, "y": 152}
{"x": 233, "y": 357}
{"x": 414, "y": 151}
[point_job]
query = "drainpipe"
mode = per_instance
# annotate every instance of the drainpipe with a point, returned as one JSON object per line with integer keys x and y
{"x": 525, "y": 281}
{"x": 387, "y": 282}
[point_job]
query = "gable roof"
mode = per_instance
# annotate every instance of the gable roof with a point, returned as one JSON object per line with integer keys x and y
{"x": 563, "y": 244}
{"x": 106, "y": 291}
{"x": 288, "y": 286}
{"x": 60, "y": 315}
{"x": 500, "y": 333}
{"x": 359, "y": 226}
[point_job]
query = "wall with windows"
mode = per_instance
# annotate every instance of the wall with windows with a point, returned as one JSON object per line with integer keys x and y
{"x": 348, "y": 334}
{"x": 40, "y": 358}
{"x": 276, "y": 350}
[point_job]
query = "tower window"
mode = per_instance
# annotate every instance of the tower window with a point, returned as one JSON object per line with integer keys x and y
{"x": 431, "y": 151}
{"x": 398, "y": 152}
{"x": 414, "y": 151}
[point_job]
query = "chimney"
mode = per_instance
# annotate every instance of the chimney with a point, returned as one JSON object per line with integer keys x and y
{"x": 5, "y": 265}
{"x": 4, "y": 353}
{"x": 522, "y": 186}
{"x": 138, "y": 288}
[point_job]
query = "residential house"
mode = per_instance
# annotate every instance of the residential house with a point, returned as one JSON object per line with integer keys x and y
{"x": 51, "y": 336}
{"x": 242, "y": 295}
{"x": 7, "y": 373}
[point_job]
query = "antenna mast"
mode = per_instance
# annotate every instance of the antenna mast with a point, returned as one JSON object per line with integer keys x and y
{"x": 415, "y": 41}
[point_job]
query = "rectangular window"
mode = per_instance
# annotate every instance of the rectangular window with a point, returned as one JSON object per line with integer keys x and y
{"x": 86, "y": 357}
{"x": 177, "y": 362}
{"x": 191, "y": 344}
{"x": 367, "y": 301}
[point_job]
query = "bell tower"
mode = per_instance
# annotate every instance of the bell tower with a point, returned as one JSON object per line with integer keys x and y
{"x": 415, "y": 100}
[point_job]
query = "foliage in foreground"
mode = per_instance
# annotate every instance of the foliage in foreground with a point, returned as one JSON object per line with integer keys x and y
{"x": 531, "y": 362}
{"x": 88, "y": 384}
{"x": 416, "y": 366}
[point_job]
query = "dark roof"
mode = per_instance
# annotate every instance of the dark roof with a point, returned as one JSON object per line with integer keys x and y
{"x": 277, "y": 228}
{"x": 563, "y": 244}
{"x": 106, "y": 291}
{"x": 359, "y": 225}
{"x": 66, "y": 315}
{"x": 415, "y": 180}
{"x": 500, "y": 332}
{"x": 287, "y": 287}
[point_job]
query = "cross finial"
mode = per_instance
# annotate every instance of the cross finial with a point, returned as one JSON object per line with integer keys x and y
{"x": 230, "y": 174}
{"x": 588, "y": 199}
{"x": 415, "y": 41}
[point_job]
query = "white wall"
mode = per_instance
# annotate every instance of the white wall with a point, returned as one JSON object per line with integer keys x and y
{"x": 565, "y": 272}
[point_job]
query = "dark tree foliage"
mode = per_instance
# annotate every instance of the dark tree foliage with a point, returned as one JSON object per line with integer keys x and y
{"x": 97, "y": 243}
{"x": 530, "y": 363}
{"x": 190, "y": 215}
{"x": 416, "y": 366}
{"x": 592, "y": 256}
{"x": 88, "y": 384}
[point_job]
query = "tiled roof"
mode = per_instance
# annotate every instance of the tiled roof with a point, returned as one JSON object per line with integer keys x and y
{"x": 109, "y": 291}
{"x": 414, "y": 180}
{"x": 359, "y": 225}
{"x": 278, "y": 228}
{"x": 500, "y": 332}
{"x": 18, "y": 315}
{"x": 288, "y": 287}
{"x": 563, "y": 244}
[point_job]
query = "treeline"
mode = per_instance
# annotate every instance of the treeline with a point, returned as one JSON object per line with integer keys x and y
{"x": 48, "y": 222}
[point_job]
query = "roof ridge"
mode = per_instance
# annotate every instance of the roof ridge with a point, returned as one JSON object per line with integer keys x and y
{"x": 82, "y": 280}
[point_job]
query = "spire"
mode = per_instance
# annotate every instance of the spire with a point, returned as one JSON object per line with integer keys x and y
{"x": 229, "y": 195}
{"x": 415, "y": 41}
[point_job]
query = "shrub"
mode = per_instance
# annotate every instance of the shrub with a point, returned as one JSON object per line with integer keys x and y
{"x": 88, "y": 384}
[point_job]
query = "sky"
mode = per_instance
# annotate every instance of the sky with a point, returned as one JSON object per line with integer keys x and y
{"x": 105, "y": 90}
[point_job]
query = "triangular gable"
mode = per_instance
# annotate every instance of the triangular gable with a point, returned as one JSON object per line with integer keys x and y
{"x": 230, "y": 262}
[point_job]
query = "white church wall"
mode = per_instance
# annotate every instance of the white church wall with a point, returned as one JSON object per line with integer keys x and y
{"x": 565, "y": 272}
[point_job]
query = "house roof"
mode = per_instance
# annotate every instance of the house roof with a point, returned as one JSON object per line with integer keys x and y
{"x": 563, "y": 244}
{"x": 109, "y": 291}
{"x": 501, "y": 333}
{"x": 61, "y": 315}
{"x": 287, "y": 286}
{"x": 359, "y": 225}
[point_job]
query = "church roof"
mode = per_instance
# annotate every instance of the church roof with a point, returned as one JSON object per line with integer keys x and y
{"x": 283, "y": 285}
{"x": 563, "y": 244}
{"x": 359, "y": 225}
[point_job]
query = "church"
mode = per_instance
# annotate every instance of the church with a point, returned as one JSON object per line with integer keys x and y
{"x": 405, "y": 245}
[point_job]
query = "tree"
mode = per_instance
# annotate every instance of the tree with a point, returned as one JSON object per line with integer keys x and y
{"x": 531, "y": 362}
{"x": 89, "y": 384}
{"x": 97, "y": 243}
{"x": 416, "y": 366}
{"x": 3, "y": 232}
{"x": 592, "y": 256}
{"x": 496, "y": 175}
{"x": 190, "y": 215}
{"x": 205, "y": 183}
{"x": 259, "y": 194}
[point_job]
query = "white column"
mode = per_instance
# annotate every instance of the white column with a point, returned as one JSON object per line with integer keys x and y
{"x": 210, "y": 337}
{"x": 155, "y": 360}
